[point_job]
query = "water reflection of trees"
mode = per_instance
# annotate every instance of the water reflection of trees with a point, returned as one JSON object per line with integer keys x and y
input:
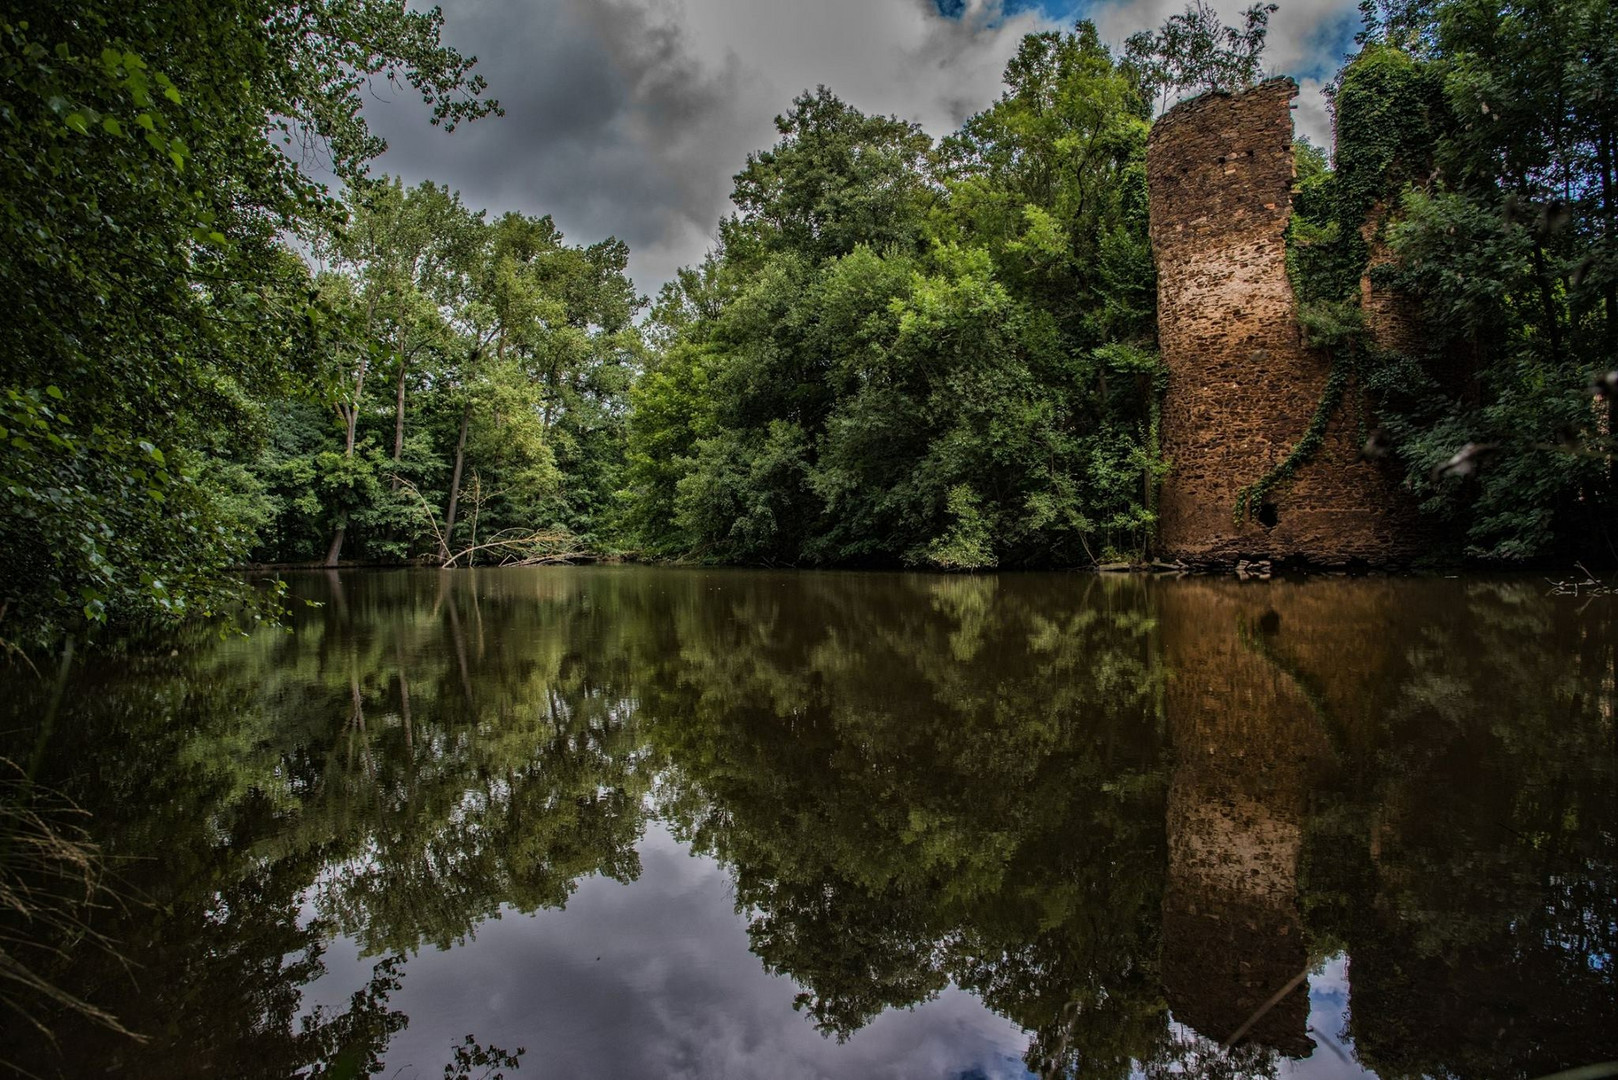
{"x": 1488, "y": 823}
{"x": 1091, "y": 802}
{"x": 397, "y": 770}
{"x": 949, "y": 780}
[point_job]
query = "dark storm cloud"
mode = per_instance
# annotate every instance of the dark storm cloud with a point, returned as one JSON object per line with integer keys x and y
{"x": 611, "y": 126}
{"x": 630, "y": 117}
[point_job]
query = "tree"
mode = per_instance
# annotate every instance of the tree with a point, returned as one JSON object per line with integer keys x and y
{"x": 1195, "y": 52}
{"x": 943, "y": 359}
{"x": 1476, "y": 144}
{"x": 836, "y": 179}
{"x": 407, "y": 256}
{"x": 145, "y": 188}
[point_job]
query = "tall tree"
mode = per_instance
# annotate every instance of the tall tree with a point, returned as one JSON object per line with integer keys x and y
{"x": 148, "y": 167}
{"x": 1194, "y": 52}
{"x": 409, "y": 254}
{"x": 1506, "y": 235}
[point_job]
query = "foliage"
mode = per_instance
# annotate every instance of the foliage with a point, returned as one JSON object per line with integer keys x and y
{"x": 1506, "y": 241}
{"x": 929, "y": 356}
{"x": 509, "y": 352}
{"x": 1386, "y": 107}
{"x": 470, "y": 1055}
{"x": 1473, "y": 146}
{"x": 143, "y": 192}
{"x": 1195, "y": 52}
{"x": 837, "y": 179}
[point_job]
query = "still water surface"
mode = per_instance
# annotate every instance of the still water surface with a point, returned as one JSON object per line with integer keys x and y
{"x": 647, "y": 822}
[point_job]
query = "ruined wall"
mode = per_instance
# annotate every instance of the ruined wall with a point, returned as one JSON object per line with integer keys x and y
{"x": 1242, "y": 388}
{"x": 1392, "y": 318}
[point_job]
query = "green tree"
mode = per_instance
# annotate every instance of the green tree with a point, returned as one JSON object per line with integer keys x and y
{"x": 939, "y": 358}
{"x": 1476, "y": 144}
{"x": 1195, "y": 52}
{"x": 145, "y": 187}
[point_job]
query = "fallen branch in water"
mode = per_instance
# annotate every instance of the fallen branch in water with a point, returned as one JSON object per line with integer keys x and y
{"x": 526, "y": 548}
{"x": 520, "y": 547}
{"x": 1590, "y": 586}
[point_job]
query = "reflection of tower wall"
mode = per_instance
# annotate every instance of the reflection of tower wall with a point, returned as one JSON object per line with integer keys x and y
{"x": 1248, "y": 740}
{"x": 1242, "y": 387}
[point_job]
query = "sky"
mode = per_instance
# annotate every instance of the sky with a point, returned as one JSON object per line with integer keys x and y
{"x": 629, "y": 118}
{"x": 656, "y": 977}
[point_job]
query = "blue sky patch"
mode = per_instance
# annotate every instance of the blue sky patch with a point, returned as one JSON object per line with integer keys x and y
{"x": 1328, "y": 44}
{"x": 1064, "y": 12}
{"x": 1061, "y": 11}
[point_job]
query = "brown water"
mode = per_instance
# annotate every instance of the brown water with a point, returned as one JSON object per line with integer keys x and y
{"x": 724, "y": 823}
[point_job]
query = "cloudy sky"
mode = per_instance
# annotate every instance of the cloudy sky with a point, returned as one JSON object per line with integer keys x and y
{"x": 629, "y": 117}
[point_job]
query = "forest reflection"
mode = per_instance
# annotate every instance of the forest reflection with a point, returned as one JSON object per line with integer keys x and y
{"x": 1127, "y": 815}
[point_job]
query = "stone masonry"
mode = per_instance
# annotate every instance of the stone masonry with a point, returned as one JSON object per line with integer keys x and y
{"x": 1242, "y": 387}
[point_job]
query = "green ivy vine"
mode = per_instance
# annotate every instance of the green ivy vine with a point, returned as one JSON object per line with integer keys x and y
{"x": 1384, "y": 100}
{"x": 1253, "y": 495}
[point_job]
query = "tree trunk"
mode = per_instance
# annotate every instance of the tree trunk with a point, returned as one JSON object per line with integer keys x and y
{"x": 353, "y": 418}
{"x": 359, "y": 389}
{"x": 455, "y": 479}
{"x": 336, "y": 549}
{"x": 353, "y": 411}
{"x": 1547, "y": 299}
{"x": 404, "y": 709}
{"x": 398, "y": 409}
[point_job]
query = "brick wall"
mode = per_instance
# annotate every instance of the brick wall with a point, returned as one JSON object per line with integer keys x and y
{"x": 1242, "y": 388}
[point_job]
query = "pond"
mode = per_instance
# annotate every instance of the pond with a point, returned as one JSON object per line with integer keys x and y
{"x": 674, "y": 822}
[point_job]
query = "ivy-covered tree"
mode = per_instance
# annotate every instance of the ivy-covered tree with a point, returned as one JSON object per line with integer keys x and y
{"x": 1476, "y": 145}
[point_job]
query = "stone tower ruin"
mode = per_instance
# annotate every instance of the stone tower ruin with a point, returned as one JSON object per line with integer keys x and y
{"x": 1242, "y": 386}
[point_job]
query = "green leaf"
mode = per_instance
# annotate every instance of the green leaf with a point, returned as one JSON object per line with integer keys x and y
{"x": 54, "y": 392}
{"x": 111, "y": 126}
{"x": 77, "y": 122}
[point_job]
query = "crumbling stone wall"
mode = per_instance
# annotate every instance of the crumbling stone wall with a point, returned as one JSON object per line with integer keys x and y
{"x": 1242, "y": 387}
{"x": 1390, "y": 316}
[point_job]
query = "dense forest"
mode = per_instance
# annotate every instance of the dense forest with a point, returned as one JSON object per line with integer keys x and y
{"x": 900, "y": 351}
